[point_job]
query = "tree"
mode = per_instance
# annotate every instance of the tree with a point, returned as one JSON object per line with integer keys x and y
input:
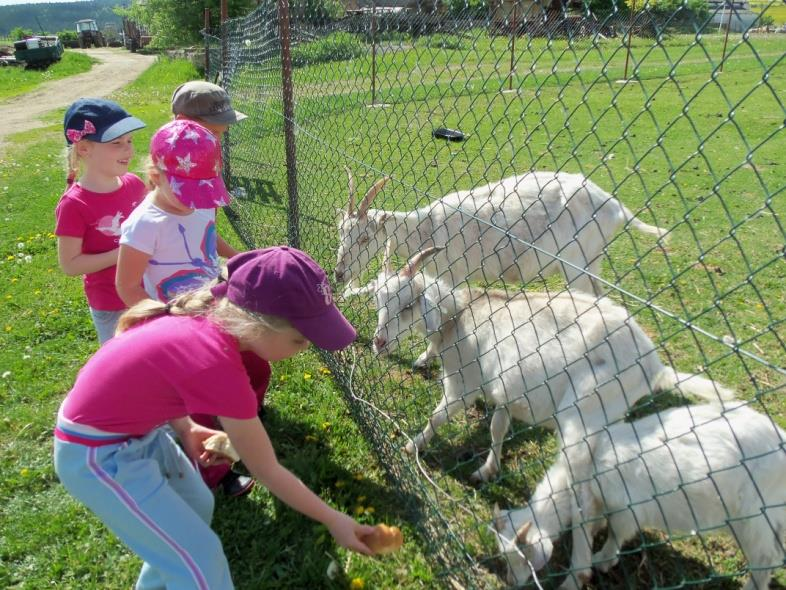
{"x": 178, "y": 22}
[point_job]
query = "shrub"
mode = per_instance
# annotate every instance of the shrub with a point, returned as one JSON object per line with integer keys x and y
{"x": 334, "y": 47}
{"x": 443, "y": 41}
{"x": 468, "y": 8}
{"x": 18, "y": 33}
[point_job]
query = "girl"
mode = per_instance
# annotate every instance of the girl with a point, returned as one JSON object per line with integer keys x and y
{"x": 184, "y": 357}
{"x": 90, "y": 211}
{"x": 169, "y": 245}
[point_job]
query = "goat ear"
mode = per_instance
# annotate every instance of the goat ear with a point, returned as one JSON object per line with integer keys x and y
{"x": 500, "y": 518}
{"x": 386, "y": 260}
{"x": 372, "y": 192}
{"x": 414, "y": 263}
{"x": 431, "y": 313}
{"x": 352, "y": 190}
{"x": 521, "y": 534}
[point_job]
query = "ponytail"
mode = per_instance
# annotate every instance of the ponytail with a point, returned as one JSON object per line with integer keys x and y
{"x": 242, "y": 324}
{"x": 72, "y": 165}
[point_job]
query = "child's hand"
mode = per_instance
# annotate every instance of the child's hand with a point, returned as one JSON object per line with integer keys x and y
{"x": 192, "y": 437}
{"x": 348, "y": 533}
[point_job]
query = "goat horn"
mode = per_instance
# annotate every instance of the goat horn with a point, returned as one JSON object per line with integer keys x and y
{"x": 372, "y": 192}
{"x": 417, "y": 259}
{"x": 352, "y": 190}
{"x": 521, "y": 534}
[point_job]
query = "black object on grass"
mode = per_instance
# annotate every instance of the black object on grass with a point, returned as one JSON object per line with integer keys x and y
{"x": 449, "y": 134}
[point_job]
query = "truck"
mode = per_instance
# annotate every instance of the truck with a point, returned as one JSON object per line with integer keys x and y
{"x": 39, "y": 51}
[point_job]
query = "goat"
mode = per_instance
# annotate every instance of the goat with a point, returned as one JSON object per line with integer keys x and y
{"x": 565, "y": 215}
{"x": 570, "y": 361}
{"x": 696, "y": 468}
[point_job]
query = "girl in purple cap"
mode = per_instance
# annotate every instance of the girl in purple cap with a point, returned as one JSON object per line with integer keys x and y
{"x": 180, "y": 358}
{"x": 169, "y": 245}
{"x": 100, "y": 195}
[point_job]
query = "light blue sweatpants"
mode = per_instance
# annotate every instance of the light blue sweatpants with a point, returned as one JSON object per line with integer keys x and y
{"x": 150, "y": 495}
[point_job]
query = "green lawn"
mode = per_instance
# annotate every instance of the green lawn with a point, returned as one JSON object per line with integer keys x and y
{"x": 17, "y": 80}
{"x": 684, "y": 145}
{"x": 47, "y": 540}
{"x": 776, "y": 10}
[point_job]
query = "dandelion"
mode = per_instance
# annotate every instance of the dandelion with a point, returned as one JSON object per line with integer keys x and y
{"x": 311, "y": 438}
{"x": 37, "y": 292}
{"x": 370, "y": 510}
{"x": 9, "y": 257}
{"x": 357, "y": 584}
{"x": 325, "y": 425}
{"x": 28, "y": 259}
{"x": 359, "y": 510}
{"x": 341, "y": 483}
{"x": 324, "y": 370}
{"x": 20, "y": 246}
{"x": 8, "y": 328}
{"x": 14, "y": 280}
{"x": 306, "y": 375}
{"x": 361, "y": 499}
{"x": 358, "y": 476}
{"x": 283, "y": 378}
{"x": 24, "y": 472}
{"x": 9, "y": 297}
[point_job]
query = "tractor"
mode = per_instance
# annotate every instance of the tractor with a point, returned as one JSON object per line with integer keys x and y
{"x": 88, "y": 34}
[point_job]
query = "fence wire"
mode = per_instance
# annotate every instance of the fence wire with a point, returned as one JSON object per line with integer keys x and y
{"x": 628, "y": 150}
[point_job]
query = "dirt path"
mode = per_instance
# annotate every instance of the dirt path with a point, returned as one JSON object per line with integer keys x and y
{"x": 118, "y": 67}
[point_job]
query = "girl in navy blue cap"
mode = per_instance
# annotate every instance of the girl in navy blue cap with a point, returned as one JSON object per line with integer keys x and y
{"x": 171, "y": 360}
{"x": 101, "y": 193}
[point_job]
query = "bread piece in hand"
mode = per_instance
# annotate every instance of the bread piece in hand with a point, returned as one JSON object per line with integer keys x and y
{"x": 384, "y": 539}
{"x": 219, "y": 443}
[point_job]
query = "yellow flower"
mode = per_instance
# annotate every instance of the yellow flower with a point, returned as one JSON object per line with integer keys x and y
{"x": 324, "y": 370}
{"x": 370, "y": 510}
{"x": 325, "y": 425}
{"x": 358, "y": 476}
{"x": 9, "y": 297}
{"x": 359, "y": 510}
{"x": 306, "y": 375}
{"x": 14, "y": 280}
{"x": 9, "y": 257}
{"x": 311, "y": 438}
{"x": 357, "y": 584}
{"x": 24, "y": 472}
{"x": 37, "y": 291}
{"x": 361, "y": 499}
{"x": 341, "y": 483}
{"x": 8, "y": 328}
{"x": 283, "y": 378}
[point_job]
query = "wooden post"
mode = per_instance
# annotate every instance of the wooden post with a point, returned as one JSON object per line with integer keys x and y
{"x": 630, "y": 34}
{"x": 373, "y": 53}
{"x": 207, "y": 44}
{"x": 726, "y": 38}
{"x": 513, "y": 34}
{"x": 293, "y": 225}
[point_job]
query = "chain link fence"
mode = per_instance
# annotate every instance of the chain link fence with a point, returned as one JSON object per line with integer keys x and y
{"x": 527, "y": 118}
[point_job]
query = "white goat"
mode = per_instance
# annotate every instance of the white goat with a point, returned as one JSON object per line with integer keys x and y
{"x": 566, "y": 215}
{"x": 569, "y": 361}
{"x": 701, "y": 469}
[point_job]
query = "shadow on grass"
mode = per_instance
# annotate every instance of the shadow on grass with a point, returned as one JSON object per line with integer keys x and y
{"x": 270, "y": 545}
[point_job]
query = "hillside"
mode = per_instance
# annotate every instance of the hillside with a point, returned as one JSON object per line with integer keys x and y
{"x": 58, "y": 16}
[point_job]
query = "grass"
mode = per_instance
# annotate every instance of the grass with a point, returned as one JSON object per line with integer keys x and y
{"x": 685, "y": 146}
{"x": 49, "y": 540}
{"x": 15, "y": 80}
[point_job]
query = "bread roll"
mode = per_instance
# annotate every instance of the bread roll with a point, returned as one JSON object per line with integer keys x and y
{"x": 219, "y": 443}
{"x": 384, "y": 539}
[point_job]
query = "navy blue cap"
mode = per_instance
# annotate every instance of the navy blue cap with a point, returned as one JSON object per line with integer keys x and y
{"x": 98, "y": 120}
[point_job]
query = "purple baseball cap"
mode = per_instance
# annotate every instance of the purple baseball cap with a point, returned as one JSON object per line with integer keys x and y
{"x": 286, "y": 282}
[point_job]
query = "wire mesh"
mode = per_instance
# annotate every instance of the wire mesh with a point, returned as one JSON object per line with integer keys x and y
{"x": 674, "y": 109}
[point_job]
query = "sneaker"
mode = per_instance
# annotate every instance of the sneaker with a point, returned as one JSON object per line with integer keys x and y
{"x": 235, "y": 485}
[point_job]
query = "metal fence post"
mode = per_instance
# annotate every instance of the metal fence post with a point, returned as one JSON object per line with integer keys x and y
{"x": 207, "y": 44}
{"x": 293, "y": 225}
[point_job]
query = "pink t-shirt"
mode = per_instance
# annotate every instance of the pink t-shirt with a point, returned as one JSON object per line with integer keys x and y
{"x": 96, "y": 218}
{"x": 167, "y": 368}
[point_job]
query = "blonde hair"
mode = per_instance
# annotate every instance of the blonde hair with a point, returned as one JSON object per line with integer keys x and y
{"x": 239, "y": 322}
{"x": 73, "y": 164}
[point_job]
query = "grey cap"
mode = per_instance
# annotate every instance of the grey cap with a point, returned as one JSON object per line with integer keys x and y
{"x": 203, "y": 100}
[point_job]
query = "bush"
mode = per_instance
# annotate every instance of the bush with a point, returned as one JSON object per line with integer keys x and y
{"x": 443, "y": 41}
{"x": 18, "y": 33}
{"x": 468, "y": 8}
{"x": 334, "y": 47}
{"x": 67, "y": 36}
{"x": 700, "y": 8}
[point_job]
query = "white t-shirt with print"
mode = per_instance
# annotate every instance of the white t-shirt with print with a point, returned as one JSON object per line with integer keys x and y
{"x": 183, "y": 248}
